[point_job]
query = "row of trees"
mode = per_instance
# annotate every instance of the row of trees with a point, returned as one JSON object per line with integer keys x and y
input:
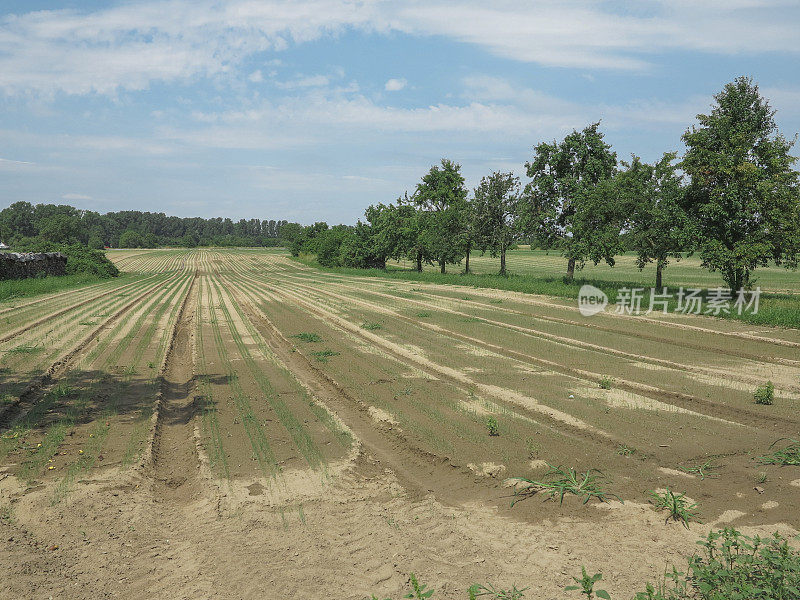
{"x": 62, "y": 224}
{"x": 733, "y": 198}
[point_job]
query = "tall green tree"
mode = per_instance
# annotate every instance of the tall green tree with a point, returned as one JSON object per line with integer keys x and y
{"x": 657, "y": 226}
{"x": 743, "y": 190}
{"x": 497, "y": 214}
{"x": 443, "y": 196}
{"x": 562, "y": 176}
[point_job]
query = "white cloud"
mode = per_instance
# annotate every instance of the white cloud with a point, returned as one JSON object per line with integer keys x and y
{"x": 76, "y": 197}
{"x": 304, "y": 82}
{"x": 130, "y": 46}
{"x": 256, "y": 76}
{"x": 395, "y": 85}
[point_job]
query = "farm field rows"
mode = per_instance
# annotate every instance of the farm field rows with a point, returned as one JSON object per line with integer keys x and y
{"x": 216, "y": 421}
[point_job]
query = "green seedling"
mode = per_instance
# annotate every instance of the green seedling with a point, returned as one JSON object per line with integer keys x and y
{"x": 558, "y": 482}
{"x": 586, "y": 585}
{"x": 677, "y": 506}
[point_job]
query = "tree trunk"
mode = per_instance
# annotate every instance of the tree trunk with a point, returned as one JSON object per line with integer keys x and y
{"x": 503, "y": 261}
{"x": 419, "y": 262}
{"x": 466, "y": 266}
{"x": 659, "y": 268}
{"x": 442, "y": 267}
{"x": 571, "y": 269}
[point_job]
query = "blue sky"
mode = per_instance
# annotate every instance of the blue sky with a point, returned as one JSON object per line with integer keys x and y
{"x": 313, "y": 110}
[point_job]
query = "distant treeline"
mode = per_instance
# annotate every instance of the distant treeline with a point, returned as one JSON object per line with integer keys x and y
{"x": 733, "y": 198}
{"x": 22, "y": 222}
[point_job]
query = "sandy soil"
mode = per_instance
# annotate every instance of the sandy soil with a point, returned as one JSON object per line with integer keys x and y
{"x": 203, "y": 450}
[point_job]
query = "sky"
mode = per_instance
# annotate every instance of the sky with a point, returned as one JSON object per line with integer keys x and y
{"x": 308, "y": 111}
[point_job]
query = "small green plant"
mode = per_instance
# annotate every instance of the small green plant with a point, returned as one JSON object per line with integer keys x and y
{"x": 605, "y": 382}
{"x": 676, "y": 505}
{"x": 477, "y": 590}
{"x": 370, "y": 326}
{"x": 25, "y": 349}
{"x": 496, "y": 301}
{"x": 704, "y": 470}
{"x": 586, "y": 585}
{"x": 308, "y": 337}
{"x": 762, "y": 477}
{"x": 151, "y": 364}
{"x": 419, "y": 591}
{"x": 789, "y": 455}
{"x": 62, "y": 390}
{"x": 559, "y": 482}
{"x": 6, "y": 399}
{"x": 764, "y": 394}
{"x": 625, "y": 450}
{"x": 492, "y": 426}
{"x": 423, "y": 314}
{"x": 323, "y": 355}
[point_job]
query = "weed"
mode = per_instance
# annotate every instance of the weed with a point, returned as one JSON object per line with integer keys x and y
{"x": 25, "y": 349}
{"x": 423, "y": 314}
{"x": 703, "y": 470}
{"x": 88, "y": 323}
{"x": 62, "y": 390}
{"x": 492, "y": 426}
{"x": 762, "y": 477}
{"x": 789, "y": 455}
{"x": 6, "y": 399}
{"x": 765, "y": 394}
{"x": 733, "y": 566}
{"x": 471, "y": 320}
{"x": 7, "y": 513}
{"x": 370, "y": 326}
{"x": 323, "y": 355}
{"x": 561, "y": 482}
{"x": 419, "y": 591}
{"x": 151, "y": 364}
{"x": 586, "y": 585}
{"x": 308, "y": 337}
{"x": 496, "y": 301}
{"x": 605, "y": 382}
{"x": 625, "y": 450}
{"x": 676, "y": 505}
{"x": 477, "y": 590}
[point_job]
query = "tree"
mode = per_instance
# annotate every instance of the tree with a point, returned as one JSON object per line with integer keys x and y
{"x": 131, "y": 239}
{"x": 443, "y": 196}
{"x": 59, "y": 228}
{"x": 562, "y": 175}
{"x": 658, "y": 228}
{"x": 496, "y": 214}
{"x": 743, "y": 191}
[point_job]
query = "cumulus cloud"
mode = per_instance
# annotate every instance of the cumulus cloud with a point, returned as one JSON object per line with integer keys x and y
{"x": 395, "y": 85}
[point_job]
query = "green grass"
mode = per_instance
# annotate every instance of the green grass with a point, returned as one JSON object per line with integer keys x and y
{"x": 677, "y": 506}
{"x": 24, "y": 288}
{"x": 780, "y": 306}
{"x": 371, "y": 326}
{"x": 25, "y": 349}
{"x": 789, "y": 455}
{"x": 308, "y": 337}
{"x": 704, "y": 470}
{"x": 558, "y": 482}
{"x": 323, "y": 355}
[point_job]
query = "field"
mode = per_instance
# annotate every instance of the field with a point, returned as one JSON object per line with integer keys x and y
{"x": 237, "y": 424}
{"x": 685, "y": 272}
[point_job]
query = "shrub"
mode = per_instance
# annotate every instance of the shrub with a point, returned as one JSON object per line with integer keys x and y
{"x": 492, "y": 426}
{"x": 80, "y": 259}
{"x": 765, "y": 394}
{"x": 733, "y": 565}
{"x": 605, "y": 382}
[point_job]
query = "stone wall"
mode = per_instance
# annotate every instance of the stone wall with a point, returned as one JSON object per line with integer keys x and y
{"x": 15, "y": 265}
